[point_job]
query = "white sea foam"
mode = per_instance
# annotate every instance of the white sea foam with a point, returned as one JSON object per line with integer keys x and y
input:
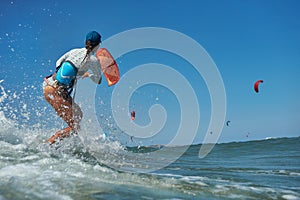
{"x": 290, "y": 197}
{"x": 19, "y": 170}
{"x": 4, "y": 95}
{"x": 270, "y": 138}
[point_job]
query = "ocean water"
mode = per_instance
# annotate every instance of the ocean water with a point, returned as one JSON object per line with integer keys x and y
{"x": 88, "y": 167}
{"x": 30, "y": 169}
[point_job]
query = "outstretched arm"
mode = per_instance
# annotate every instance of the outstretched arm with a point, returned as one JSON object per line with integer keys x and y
{"x": 95, "y": 76}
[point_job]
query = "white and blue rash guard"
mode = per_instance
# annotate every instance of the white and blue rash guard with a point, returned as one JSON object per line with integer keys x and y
{"x": 75, "y": 58}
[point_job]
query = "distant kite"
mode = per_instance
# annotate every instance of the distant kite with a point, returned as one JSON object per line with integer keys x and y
{"x": 256, "y": 85}
{"x": 132, "y": 113}
{"x": 227, "y": 123}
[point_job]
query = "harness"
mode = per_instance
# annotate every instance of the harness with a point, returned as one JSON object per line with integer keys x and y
{"x": 64, "y": 85}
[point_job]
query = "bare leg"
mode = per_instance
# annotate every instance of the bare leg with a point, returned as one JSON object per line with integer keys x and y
{"x": 60, "y": 134}
{"x": 69, "y": 111}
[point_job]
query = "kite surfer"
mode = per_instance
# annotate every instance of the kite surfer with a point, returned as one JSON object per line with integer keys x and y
{"x": 58, "y": 86}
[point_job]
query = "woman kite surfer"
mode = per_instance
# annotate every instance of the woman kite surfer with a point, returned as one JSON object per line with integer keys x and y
{"x": 58, "y": 86}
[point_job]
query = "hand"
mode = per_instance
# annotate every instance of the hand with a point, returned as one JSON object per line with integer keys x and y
{"x": 86, "y": 74}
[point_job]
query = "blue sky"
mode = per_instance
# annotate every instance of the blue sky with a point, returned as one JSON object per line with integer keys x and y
{"x": 248, "y": 41}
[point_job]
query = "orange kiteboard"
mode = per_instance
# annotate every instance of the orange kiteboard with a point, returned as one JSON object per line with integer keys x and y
{"x": 109, "y": 66}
